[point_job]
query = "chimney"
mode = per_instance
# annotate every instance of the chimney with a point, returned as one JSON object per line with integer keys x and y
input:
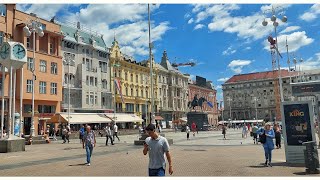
{"x": 33, "y": 14}
{"x": 78, "y": 25}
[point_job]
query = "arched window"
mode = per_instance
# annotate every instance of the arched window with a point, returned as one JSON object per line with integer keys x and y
{"x": 131, "y": 92}
{"x": 137, "y": 93}
{"x": 126, "y": 91}
{"x": 141, "y": 93}
{"x": 126, "y": 76}
{"x": 131, "y": 77}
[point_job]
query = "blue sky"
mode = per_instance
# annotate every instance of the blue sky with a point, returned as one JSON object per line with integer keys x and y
{"x": 223, "y": 39}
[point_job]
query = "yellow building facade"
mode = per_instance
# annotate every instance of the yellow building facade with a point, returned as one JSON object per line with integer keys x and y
{"x": 134, "y": 78}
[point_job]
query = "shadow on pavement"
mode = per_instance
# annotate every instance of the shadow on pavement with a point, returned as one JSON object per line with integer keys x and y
{"x": 284, "y": 164}
{"x": 82, "y": 164}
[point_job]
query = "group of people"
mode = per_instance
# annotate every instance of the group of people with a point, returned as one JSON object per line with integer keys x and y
{"x": 194, "y": 129}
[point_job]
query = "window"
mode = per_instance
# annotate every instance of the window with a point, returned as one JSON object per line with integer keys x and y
{"x": 95, "y": 99}
{"x": 131, "y": 92}
{"x": 87, "y": 99}
{"x": 54, "y": 68}
{"x": 43, "y": 66}
{"x": 27, "y": 108}
{"x": 126, "y": 91}
{"x": 87, "y": 81}
{"x": 46, "y": 109}
{"x": 53, "y": 89}
{"x": 91, "y": 99}
{"x": 3, "y": 10}
{"x": 52, "y": 42}
{"x": 91, "y": 81}
{"x": 141, "y": 93}
{"x": 95, "y": 81}
{"x": 137, "y": 78}
{"x": 137, "y": 93}
{"x": 42, "y": 87}
{"x": 126, "y": 76}
{"x": 1, "y": 37}
{"x": 131, "y": 76}
{"x": 30, "y": 64}
{"x": 29, "y": 86}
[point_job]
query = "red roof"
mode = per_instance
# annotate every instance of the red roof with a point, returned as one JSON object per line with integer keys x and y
{"x": 258, "y": 76}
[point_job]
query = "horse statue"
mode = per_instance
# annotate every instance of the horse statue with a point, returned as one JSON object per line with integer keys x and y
{"x": 196, "y": 102}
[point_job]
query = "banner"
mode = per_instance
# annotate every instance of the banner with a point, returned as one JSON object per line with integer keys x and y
{"x": 118, "y": 85}
{"x": 298, "y": 124}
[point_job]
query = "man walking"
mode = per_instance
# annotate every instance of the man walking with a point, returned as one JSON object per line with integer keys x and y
{"x": 108, "y": 134}
{"x": 255, "y": 128}
{"x": 89, "y": 141}
{"x": 193, "y": 127}
{"x": 115, "y": 131}
{"x": 157, "y": 146}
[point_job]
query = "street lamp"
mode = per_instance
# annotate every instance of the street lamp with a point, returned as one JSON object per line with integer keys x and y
{"x": 255, "y": 105}
{"x": 68, "y": 59}
{"x": 275, "y": 25}
{"x": 33, "y": 27}
{"x": 151, "y": 71}
{"x": 229, "y": 99}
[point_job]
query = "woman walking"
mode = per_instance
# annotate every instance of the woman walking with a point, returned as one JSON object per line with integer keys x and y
{"x": 266, "y": 138}
{"x": 224, "y": 129}
{"x": 188, "y": 131}
{"x": 278, "y": 136}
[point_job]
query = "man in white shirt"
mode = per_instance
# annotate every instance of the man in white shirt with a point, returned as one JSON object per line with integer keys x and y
{"x": 115, "y": 131}
{"x": 108, "y": 135}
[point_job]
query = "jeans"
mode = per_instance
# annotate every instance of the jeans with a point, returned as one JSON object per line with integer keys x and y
{"x": 89, "y": 149}
{"x": 157, "y": 172}
{"x": 268, "y": 153}
{"x": 278, "y": 141}
{"x": 115, "y": 134}
{"x": 107, "y": 139}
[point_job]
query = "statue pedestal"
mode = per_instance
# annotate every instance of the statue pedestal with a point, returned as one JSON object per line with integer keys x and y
{"x": 200, "y": 118}
{"x": 14, "y": 144}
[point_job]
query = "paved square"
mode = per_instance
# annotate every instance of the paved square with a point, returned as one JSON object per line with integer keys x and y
{"x": 206, "y": 154}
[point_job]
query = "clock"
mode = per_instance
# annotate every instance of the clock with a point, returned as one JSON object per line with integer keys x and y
{"x": 18, "y": 51}
{"x": 4, "y": 51}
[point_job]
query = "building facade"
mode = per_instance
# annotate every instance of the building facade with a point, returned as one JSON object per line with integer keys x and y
{"x": 210, "y": 94}
{"x": 87, "y": 70}
{"x": 134, "y": 82}
{"x": 249, "y": 95}
{"x": 47, "y": 66}
{"x": 172, "y": 90}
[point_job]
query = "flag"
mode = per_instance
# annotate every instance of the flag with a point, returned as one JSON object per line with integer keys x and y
{"x": 117, "y": 84}
{"x": 209, "y": 104}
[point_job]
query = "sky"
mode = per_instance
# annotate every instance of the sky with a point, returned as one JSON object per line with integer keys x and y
{"x": 222, "y": 39}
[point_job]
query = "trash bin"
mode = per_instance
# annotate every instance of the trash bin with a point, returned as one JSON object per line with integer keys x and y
{"x": 311, "y": 158}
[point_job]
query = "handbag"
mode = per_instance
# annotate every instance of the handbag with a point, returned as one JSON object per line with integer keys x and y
{"x": 263, "y": 137}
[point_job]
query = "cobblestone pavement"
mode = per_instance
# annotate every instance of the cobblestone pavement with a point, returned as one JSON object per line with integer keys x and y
{"x": 206, "y": 154}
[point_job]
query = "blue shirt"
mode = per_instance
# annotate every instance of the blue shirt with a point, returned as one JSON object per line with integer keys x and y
{"x": 82, "y": 131}
{"x": 269, "y": 140}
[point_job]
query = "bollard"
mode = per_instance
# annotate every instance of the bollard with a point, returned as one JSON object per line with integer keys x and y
{"x": 311, "y": 158}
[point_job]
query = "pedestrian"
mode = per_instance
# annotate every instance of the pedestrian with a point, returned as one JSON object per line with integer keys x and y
{"x": 268, "y": 145}
{"x": 224, "y": 129}
{"x": 244, "y": 131}
{"x": 278, "y": 136}
{"x": 54, "y": 134}
{"x": 108, "y": 134}
{"x": 158, "y": 128}
{"x": 158, "y": 148}
{"x": 89, "y": 142}
{"x": 193, "y": 128}
{"x": 64, "y": 134}
{"x": 68, "y": 133}
{"x": 81, "y": 133}
{"x": 255, "y": 128}
{"x": 188, "y": 131}
{"x": 197, "y": 129}
{"x": 115, "y": 131}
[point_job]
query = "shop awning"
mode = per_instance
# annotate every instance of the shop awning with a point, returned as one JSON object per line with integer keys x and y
{"x": 158, "y": 118}
{"x": 79, "y": 118}
{"x": 123, "y": 117}
{"x": 181, "y": 120}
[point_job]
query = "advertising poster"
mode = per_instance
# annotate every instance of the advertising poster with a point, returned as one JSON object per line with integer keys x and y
{"x": 298, "y": 124}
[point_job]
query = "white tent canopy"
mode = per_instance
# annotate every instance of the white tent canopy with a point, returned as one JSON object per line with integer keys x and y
{"x": 123, "y": 117}
{"x": 242, "y": 121}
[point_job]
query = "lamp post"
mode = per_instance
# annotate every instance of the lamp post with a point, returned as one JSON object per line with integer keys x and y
{"x": 275, "y": 25}
{"x": 255, "y": 106}
{"x": 68, "y": 59}
{"x": 229, "y": 99}
{"x": 151, "y": 71}
{"x": 33, "y": 27}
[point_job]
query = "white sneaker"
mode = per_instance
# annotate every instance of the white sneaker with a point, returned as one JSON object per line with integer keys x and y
{"x": 88, "y": 164}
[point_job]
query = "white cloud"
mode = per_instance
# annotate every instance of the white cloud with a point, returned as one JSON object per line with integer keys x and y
{"x": 190, "y": 21}
{"x": 128, "y": 22}
{"x": 246, "y": 27}
{"x": 219, "y": 87}
{"x": 311, "y": 14}
{"x": 248, "y": 48}
{"x": 229, "y": 51}
{"x": 296, "y": 40}
{"x": 290, "y": 29}
{"x": 237, "y": 65}
{"x": 223, "y": 79}
{"x": 198, "y": 26}
{"x": 311, "y": 63}
{"x": 44, "y": 11}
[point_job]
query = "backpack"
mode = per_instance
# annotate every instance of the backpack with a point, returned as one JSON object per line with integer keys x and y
{"x": 263, "y": 137}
